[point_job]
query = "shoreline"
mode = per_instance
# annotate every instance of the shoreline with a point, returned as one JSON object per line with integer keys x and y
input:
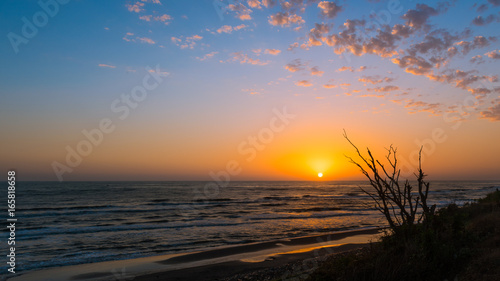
{"x": 220, "y": 262}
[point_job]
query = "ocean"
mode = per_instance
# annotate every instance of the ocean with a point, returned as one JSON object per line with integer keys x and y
{"x": 84, "y": 222}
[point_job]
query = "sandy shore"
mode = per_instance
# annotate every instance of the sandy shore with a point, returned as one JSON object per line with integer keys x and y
{"x": 282, "y": 257}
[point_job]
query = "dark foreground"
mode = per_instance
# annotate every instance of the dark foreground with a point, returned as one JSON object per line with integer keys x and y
{"x": 462, "y": 243}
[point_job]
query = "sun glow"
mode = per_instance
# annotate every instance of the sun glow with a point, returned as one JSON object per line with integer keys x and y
{"x": 320, "y": 175}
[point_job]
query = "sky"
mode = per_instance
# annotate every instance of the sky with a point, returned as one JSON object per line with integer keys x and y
{"x": 247, "y": 90}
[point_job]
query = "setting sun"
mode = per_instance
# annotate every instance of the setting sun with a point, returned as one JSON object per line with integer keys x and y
{"x": 320, "y": 175}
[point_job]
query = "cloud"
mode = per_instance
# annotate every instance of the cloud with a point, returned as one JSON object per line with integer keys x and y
{"x": 127, "y": 35}
{"x": 244, "y": 17}
{"x": 345, "y": 68}
{"x": 245, "y": 59}
{"x": 273, "y": 52}
{"x": 316, "y": 71}
{"x": 385, "y": 89}
{"x": 285, "y": 19}
{"x": 269, "y": 3}
{"x": 195, "y": 37}
{"x": 417, "y": 18}
{"x": 163, "y": 18}
{"x": 128, "y": 38}
{"x": 477, "y": 59}
{"x": 495, "y": 3}
{"x": 461, "y": 79}
{"x": 480, "y": 59}
{"x": 317, "y": 34}
{"x": 374, "y": 79}
{"x": 478, "y": 42}
{"x": 293, "y": 46}
{"x": 414, "y": 65}
{"x": 402, "y": 30}
{"x": 152, "y": 1}
{"x": 329, "y": 9}
{"x": 479, "y": 91}
{"x": 372, "y": 96}
{"x": 106, "y": 65}
{"x": 329, "y": 86}
{"x": 207, "y": 56}
{"x": 294, "y": 66}
{"x": 493, "y": 113}
{"x": 482, "y": 8}
{"x": 146, "y": 40}
{"x": 303, "y": 83}
{"x": 434, "y": 42}
{"x": 254, "y": 4}
{"x": 382, "y": 44}
{"x": 159, "y": 72}
{"x": 421, "y": 106}
{"x": 252, "y": 91}
{"x": 479, "y": 20}
{"x": 493, "y": 54}
{"x": 229, "y": 29}
{"x": 137, "y": 7}
{"x": 242, "y": 12}
{"x": 187, "y": 43}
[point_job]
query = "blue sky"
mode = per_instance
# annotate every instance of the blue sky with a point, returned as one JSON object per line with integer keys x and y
{"x": 367, "y": 66}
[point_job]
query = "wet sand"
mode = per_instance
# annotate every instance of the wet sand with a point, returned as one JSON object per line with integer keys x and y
{"x": 215, "y": 264}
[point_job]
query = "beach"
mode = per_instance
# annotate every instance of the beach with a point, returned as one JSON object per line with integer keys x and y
{"x": 286, "y": 257}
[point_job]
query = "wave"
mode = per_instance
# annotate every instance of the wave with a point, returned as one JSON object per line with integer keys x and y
{"x": 314, "y": 209}
{"x": 118, "y": 228}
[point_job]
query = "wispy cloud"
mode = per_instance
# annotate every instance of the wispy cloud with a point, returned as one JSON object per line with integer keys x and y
{"x": 127, "y": 36}
{"x": 146, "y": 40}
{"x": 207, "y": 56}
{"x": 389, "y": 88}
{"x": 230, "y": 29}
{"x": 294, "y": 66}
{"x": 273, "y": 52}
{"x": 136, "y": 8}
{"x": 252, "y": 91}
{"x": 345, "y": 68}
{"x": 285, "y": 19}
{"x": 245, "y": 59}
{"x": 242, "y": 12}
{"x": 315, "y": 71}
{"x": 493, "y": 113}
{"x": 421, "y": 106}
{"x": 329, "y": 86}
{"x": 303, "y": 83}
{"x": 374, "y": 79}
{"x": 187, "y": 42}
{"x": 106, "y": 65}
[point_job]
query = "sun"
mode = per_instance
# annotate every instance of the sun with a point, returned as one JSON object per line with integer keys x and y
{"x": 320, "y": 175}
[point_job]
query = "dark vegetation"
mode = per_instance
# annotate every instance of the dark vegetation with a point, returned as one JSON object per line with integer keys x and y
{"x": 453, "y": 243}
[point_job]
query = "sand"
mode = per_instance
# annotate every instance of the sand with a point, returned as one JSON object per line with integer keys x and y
{"x": 287, "y": 256}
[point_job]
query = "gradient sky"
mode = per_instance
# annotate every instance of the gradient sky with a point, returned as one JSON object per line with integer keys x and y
{"x": 388, "y": 72}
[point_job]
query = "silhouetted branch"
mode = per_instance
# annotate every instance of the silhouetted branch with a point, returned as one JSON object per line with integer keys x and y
{"x": 398, "y": 203}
